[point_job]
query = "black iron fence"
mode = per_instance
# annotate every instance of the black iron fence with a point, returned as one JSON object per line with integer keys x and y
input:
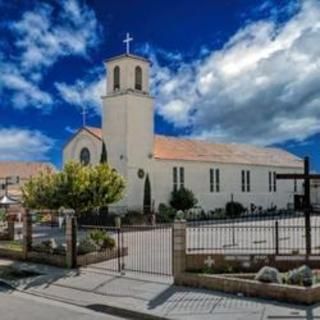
{"x": 283, "y": 233}
{"x": 144, "y": 248}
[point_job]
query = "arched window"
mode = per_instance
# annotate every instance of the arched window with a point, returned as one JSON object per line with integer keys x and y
{"x": 138, "y": 78}
{"x": 85, "y": 156}
{"x": 116, "y": 78}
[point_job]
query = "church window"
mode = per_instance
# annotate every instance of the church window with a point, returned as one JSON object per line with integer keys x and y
{"x": 214, "y": 180}
{"x": 245, "y": 181}
{"x": 85, "y": 156}
{"x": 295, "y": 185}
{"x": 175, "y": 178}
{"x": 274, "y": 182}
{"x": 116, "y": 78}
{"x": 217, "y": 180}
{"x": 270, "y": 181}
{"x": 181, "y": 177}
{"x": 248, "y": 181}
{"x": 138, "y": 78}
{"x": 211, "y": 180}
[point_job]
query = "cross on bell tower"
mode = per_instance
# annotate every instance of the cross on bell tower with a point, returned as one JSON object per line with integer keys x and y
{"x": 127, "y": 41}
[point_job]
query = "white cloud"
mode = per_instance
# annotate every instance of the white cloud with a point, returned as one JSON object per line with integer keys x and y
{"x": 41, "y": 37}
{"x": 262, "y": 87}
{"x": 23, "y": 144}
{"x": 85, "y": 93}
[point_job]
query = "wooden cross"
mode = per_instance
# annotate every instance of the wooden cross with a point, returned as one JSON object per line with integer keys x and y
{"x": 307, "y": 177}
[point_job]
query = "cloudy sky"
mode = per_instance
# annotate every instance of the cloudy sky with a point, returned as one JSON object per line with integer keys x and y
{"x": 240, "y": 71}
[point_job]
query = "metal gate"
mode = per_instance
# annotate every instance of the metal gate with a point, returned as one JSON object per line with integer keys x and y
{"x": 138, "y": 248}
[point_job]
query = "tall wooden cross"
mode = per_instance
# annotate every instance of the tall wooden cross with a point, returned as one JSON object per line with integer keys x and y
{"x": 307, "y": 177}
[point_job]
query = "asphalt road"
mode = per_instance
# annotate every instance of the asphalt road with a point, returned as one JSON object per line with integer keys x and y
{"x": 16, "y": 305}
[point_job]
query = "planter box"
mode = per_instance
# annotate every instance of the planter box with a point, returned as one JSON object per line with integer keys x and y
{"x": 12, "y": 254}
{"x": 46, "y": 258}
{"x": 5, "y": 236}
{"x": 241, "y": 284}
{"x": 100, "y": 256}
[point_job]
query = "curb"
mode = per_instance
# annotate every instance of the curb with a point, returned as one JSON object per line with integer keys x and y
{"x": 101, "y": 308}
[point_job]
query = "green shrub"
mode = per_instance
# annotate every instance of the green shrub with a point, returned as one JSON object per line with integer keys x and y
{"x": 61, "y": 250}
{"x": 133, "y": 217}
{"x": 182, "y": 199}
{"x": 108, "y": 243}
{"x": 234, "y": 209}
{"x": 44, "y": 247}
{"x": 86, "y": 246}
{"x": 102, "y": 239}
{"x": 3, "y": 217}
{"x": 165, "y": 213}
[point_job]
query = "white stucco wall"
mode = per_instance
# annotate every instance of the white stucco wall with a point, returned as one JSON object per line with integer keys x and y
{"x": 197, "y": 179}
{"x": 83, "y": 139}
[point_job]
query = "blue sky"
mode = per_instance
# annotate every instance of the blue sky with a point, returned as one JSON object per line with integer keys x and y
{"x": 236, "y": 71}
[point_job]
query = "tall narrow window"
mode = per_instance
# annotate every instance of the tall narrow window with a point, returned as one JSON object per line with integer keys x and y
{"x": 270, "y": 181}
{"x": 217, "y": 180}
{"x": 181, "y": 177}
{"x": 211, "y": 180}
{"x": 295, "y": 185}
{"x": 248, "y": 181}
{"x": 138, "y": 78}
{"x": 175, "y": 178}
{"x": 274, "y": 181}
{"x": 116, "y": 78}
{"x": 243, "y": 181}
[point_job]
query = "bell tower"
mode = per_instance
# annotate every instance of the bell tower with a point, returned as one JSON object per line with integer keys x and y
{"x": 128, "y": 128}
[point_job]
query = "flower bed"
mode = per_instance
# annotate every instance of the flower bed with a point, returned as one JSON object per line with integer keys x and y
{"x": 247, "y": 285}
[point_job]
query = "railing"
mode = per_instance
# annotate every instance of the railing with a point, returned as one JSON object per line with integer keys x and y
{"x": 268, "y": 235}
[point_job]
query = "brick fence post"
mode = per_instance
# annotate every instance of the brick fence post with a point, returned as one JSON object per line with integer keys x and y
{"x": 26, "y": 233}
{"x": 179, "y": 247}
{"x": 71, "y": 240}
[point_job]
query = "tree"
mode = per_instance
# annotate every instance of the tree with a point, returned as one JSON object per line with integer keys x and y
{"x": 104, "y": 156}
{"x": 82, "y": 188}
{"x": 147, "y": 196}
{"x": 234, "y": 209}
{"x": 183, "y": 199}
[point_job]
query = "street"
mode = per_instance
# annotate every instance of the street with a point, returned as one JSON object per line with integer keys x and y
{"x": 16, "y": 305}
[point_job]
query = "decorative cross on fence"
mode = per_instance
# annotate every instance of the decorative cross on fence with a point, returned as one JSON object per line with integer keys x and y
{"x": 209, "y": 262}
{"x": 307, "y": 177}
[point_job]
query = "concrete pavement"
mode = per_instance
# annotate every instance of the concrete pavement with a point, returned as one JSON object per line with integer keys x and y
{"x": 15, "y": 305}
{"x": 151, "y": 298}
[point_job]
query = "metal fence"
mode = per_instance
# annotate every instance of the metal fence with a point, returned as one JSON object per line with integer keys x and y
{"x": 283, "y": 233}
{"x": 141, "y": 248}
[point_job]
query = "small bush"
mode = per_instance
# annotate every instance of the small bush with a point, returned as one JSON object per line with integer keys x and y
{"x": 165, "y": 213}
{"x": 183, "y": 199}
{"x": 86, "y": 246}
{"x": 44, "y": 247}
{"x": 108, "y": 243}
{"x": 133, "y": 217}
{"x": 102, "y": 239}
{"x": 234, "y": 209}
{"x": 61, "y": 250}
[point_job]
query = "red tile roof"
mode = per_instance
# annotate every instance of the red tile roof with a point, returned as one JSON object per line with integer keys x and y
{"x": 22, "y": 169}
{"x": 171, "y": 148}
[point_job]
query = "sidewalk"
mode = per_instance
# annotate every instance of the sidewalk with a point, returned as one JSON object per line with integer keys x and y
{"x": 150, "y": 299}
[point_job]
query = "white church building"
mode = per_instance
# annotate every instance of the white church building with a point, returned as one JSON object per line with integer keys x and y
{"x": 215, "y": 172}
